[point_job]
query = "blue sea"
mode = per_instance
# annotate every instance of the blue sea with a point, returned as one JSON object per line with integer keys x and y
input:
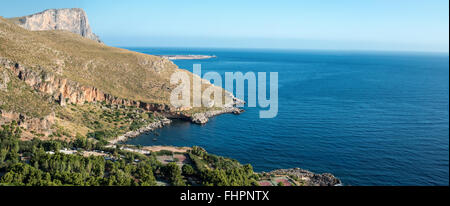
{"x": 369, "y": 118}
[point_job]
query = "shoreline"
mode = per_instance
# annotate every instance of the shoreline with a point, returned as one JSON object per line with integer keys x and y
{"x": 156, "y": 148}
{"x": 198, "y": 118}
{"x": 132, "y": 134}
{"x": 297, "y": 176}
{"x": 306, "y": 177}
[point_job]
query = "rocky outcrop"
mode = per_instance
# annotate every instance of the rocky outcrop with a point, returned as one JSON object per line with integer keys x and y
{"x": 203, "y": 118}
{"x": 309, "y": 178}
{"x": 37, "y": 125}
{"x": 65, "y": 91}
{"x": 72, "y": 20}
{"x": 231, "y": 107}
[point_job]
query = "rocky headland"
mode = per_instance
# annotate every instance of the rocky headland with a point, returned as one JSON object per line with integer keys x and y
{"x": 74, "y": 20}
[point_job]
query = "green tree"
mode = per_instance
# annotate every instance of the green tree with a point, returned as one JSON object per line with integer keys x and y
{"x": 172, "y": 172}
{"x": 188, "y": 170}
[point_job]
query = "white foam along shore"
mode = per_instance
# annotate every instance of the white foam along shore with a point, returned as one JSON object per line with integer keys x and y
{"x": 187, "y": 57}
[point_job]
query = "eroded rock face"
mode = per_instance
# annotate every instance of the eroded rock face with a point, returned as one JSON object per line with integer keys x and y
{"x": 65, "y": 91}
{"x": 73, "y": 20}
{"x": 38, "y": 125}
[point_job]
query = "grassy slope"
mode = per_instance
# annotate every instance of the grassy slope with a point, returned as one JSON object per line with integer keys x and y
{"x": 120, "y": 72}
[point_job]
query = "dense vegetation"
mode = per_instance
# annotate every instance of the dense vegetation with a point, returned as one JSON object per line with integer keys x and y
{"x": 219, "y": 171}
{"x": 39, "y": 163}
{"x": 30, "y": 163}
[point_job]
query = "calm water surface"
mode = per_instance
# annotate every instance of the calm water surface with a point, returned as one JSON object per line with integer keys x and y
{"x": 370, "y": 118}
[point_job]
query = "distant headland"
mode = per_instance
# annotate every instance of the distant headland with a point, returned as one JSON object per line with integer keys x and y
{"x": 187, "y": 57}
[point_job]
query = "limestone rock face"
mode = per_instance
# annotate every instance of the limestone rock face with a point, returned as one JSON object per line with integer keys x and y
{"x": 66, "y": 91}
{"x": 72, "y": 20}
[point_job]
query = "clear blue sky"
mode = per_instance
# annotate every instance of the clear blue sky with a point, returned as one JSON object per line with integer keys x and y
{"x": 414, "y": 25}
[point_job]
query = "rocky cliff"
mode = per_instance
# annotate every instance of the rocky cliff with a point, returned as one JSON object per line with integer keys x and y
{"x": 41, "y": 126}
{"x": 72, "y": 20}
{"x": 65, "y": 91}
